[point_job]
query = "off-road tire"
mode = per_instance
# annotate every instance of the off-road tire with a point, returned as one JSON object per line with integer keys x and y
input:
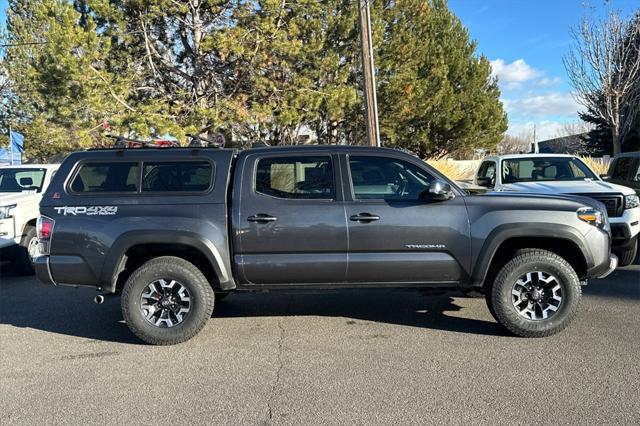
{"x": 532, "y": 260}
{"x": 22, "y": 261}
{"x": 174, "y": 268}
{"x": 628, "y": 255}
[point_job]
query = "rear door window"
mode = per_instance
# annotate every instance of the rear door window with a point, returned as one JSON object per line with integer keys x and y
{"x": 101, "y": 177}
{"x": 177, "y": 176}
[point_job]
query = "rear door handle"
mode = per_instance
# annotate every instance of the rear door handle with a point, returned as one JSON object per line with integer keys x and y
{"x": 262, "y": 218}
{"x": 364, "y": 217}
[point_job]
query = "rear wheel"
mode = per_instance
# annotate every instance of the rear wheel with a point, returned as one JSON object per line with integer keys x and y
{"x": 167, "y": 301}
{"x": 535, "y": 294}
{"x": 27, "y": 251}
{"x": 628, "y": 255}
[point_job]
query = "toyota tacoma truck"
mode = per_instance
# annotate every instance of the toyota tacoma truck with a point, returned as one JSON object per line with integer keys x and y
{"x": 173, "y": 230}
{"x": 567, "y": 174}
{"x": 21, "y": 189}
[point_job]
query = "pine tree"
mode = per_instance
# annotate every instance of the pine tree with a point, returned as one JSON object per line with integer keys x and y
{"x": 436, "y": 95}
{"x": 63, "y": 88}
{"x": 257, "y": 70}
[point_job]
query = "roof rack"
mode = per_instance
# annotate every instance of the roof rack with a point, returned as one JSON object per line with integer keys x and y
{"x": 124, "y": 142}
{"x": 198, "y": 142}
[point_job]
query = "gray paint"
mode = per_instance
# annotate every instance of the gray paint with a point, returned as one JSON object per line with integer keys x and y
{"x": 311, "y": 243}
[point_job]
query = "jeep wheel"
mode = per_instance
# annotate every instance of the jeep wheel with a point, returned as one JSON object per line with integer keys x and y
{"x": 27, "y": 251}
{"x": 167, "y": 301}
{"x": 536, "y": 294}
{"x": 628, "y": 255}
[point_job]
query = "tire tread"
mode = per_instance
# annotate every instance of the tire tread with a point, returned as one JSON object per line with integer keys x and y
{"x": 500, "y": 306}
{"x": 173, "y": 262}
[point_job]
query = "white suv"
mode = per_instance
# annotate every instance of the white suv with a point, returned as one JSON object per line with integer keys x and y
{"x": 21, "y": 189}
{"x": 567, "y": 174}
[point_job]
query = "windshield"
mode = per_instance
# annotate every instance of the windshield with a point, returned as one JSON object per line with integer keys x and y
{"x": 19, "y": 180}
{"x": 537, "y": 169}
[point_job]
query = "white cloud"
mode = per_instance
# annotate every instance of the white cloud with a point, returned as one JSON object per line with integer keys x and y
{"x": 514, "y": 74}
{"x": 549, "y": 104}
{"x": 548, "y": 82}
{"x": 545, "y": 129}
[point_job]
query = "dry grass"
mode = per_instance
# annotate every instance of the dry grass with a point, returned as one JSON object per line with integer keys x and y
{"x": 465, "y": 170}
{"x": 452, "y": 169}
{"x": 598, "y": 165}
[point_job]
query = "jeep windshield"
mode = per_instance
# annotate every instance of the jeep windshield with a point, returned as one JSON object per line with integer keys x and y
{"x": 536, "y": 169}
{"x": 21, "y": 179}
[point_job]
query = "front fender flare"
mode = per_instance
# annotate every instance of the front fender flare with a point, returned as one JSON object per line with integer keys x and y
{"x": 505, "y": 232}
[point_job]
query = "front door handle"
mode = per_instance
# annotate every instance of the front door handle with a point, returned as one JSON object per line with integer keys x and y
{"x": 262, "y": 218}
{"x": 364, "y": 217}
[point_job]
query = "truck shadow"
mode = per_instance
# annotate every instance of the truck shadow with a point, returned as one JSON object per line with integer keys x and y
{"x": 27, "y": 304}
{"x": 397, "y": 307}
{"x": 623, "y": 283}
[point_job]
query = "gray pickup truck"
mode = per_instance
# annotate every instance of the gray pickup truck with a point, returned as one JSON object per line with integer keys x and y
{"x": 177, "y": 229}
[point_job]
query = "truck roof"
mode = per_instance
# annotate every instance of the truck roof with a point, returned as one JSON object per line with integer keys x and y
{"x": 30, "y": 166}
{"x": 288, "y": 148}
{"x": 511, "y": 156}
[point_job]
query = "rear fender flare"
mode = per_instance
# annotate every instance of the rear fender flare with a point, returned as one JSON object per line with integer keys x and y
{"x": 115, "y": 258}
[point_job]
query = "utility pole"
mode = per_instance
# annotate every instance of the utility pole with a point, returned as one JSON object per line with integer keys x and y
{"x": 371, "y": 101}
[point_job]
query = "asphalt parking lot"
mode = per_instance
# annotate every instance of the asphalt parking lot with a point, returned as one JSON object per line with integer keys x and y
{"x": 381, "y": 357}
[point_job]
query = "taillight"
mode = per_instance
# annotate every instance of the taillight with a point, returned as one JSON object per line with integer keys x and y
{"x": 44, "y": 229}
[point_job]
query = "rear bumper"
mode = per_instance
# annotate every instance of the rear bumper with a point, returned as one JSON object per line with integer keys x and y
{"x": 43, "y": 270}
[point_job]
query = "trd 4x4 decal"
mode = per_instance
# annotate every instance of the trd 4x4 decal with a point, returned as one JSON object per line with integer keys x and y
{"x": 88, "y": 211}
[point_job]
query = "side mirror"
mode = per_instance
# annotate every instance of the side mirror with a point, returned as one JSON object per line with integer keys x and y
{"x": 440, "y": 191}
{"x": 487, "y": 182}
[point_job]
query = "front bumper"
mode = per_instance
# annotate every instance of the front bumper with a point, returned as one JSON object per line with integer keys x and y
{"x": 625, "y": 227}
{"x": 8, "y": 236}
{"x": 43, "y": 270}
{"x": 613, "y": 264}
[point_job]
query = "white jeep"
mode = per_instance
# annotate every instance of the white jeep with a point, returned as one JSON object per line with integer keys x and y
{"x": 567, "y": 174}
{"x": 21, "y": 189}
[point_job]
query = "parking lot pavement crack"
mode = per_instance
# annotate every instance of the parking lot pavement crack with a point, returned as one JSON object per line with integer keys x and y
{"x": 280, "y": 365}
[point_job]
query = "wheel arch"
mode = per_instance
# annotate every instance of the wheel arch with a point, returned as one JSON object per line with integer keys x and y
{"x": 31, "y": 223}
{"x": 133, "y": 248}
{"x": 565, "y": 241}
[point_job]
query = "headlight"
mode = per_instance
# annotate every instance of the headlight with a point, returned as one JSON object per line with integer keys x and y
{"x": 5, "y": 211}
{"x": 631, "y": 201}
{"x": 591, "y": 216}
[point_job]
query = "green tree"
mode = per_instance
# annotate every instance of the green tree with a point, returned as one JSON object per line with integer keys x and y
{"x": 64, "y": 90}
{"x": 254, "y": 69}
{"x": 436, "y": 95}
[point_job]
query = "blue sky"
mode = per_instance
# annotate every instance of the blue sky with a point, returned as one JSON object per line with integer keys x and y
{"x": 525, "y": 41}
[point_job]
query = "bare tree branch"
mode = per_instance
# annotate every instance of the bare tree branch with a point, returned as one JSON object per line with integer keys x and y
{"x": 604, "y": 68}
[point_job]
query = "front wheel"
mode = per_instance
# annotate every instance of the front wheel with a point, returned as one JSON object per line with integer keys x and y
{"x": 536, "y": 294}
{"x": 628, "y": 255}
{"x": 167, "y": 301}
